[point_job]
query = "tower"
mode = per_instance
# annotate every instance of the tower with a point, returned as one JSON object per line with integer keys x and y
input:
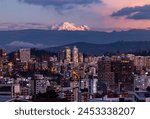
{"x": 123, "y": 73}
{"x": 3, "y": 53}
{"x": 68, "y": 54}
{"x": 105, "y": 75}
{"x": 80, "y": 57}
{"x": 25, "y": 54}
{"x": 75, "y": 55}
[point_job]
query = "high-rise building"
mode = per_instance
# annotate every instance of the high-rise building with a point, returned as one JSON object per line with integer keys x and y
{"x": 61, "y": 55}
{"x": 80, "y": 57}
{"x": 68, "y": 54}
{"x": 38, "y": 84}
{"x": 131, "y": 56}
{"x": 139, "y": 62}
{"x": 94, "y": 85}
{"x": 123, "y": 72}
{"x": 75, "y": 55}
{"x": 3, "y": 53}
{"x": 3, "y": 60}
{"x": 15, "y": 56}
{"x": 84, "y": 84}
{"x": 75, "y": 86}
{"x": 147, "y": 61}
{"x": 105, "y": 75}
{"x": 25, "y": 54}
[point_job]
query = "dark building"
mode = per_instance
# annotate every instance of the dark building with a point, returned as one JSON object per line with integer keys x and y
{"x": 69, "y": 95}
{"x": 123, "y": 74}
{"x": 105, "y": 75}
{"x": 61, "y": 55}
{"x": 3, "y": 55}
{"x": 15, "y": 56}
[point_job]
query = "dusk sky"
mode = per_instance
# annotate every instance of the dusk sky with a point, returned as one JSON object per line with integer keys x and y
{"x": 94, "y": 13}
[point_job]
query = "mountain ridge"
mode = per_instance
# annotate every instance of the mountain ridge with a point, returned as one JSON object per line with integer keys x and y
{"x": 100, "y": 49}
{"x": 50, "y": 38}
{"x": 68, "y": 26}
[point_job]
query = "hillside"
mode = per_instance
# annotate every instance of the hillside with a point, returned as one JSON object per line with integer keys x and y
{"x": 50, "y": 38}
{"x": 99, "y": 49}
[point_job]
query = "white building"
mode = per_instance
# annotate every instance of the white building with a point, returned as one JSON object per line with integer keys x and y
{"x": 38, "y": 84}
{"x": 131, "y": 56}
{"x": 142, "y": 82}
{"x": 139, "y": 62}
{"x": 75, "y": 55}
{"x": 25, "y": 54}
{"x": 94, "y": 85}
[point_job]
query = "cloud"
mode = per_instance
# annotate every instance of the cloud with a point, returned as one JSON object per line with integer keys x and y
{"x": 19, "y": 44}
{"x": 59, "y": 3}
{"x": 136, "y": 13}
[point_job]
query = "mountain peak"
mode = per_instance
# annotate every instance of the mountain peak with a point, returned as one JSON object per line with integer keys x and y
{"x": 69, "y": 26}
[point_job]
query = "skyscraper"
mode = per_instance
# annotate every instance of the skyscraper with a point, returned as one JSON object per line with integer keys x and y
{"x": 75, "y": 55}
{"x": 80, "y": 57}
{"x": 61, "y": 55}
{"x": 105, "y": 75}
{"x": 3, "y": 53}
{"x": 123, "y": 70}
{"x": 25, "y": 54}
{"x": 68, "y": 54}
{"x": 139, "y": 62}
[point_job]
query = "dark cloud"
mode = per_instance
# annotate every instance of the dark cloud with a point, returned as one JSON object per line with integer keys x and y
{"x": 59, "y": 3}
{"x": 137, "y": 13}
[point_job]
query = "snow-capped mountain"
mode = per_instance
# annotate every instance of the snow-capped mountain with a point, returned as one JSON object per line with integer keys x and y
{"x": 22, "y": 26}
{"x": 69, "y": 27}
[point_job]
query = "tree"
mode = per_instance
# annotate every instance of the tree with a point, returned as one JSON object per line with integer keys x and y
{"x": 148, "y": 88}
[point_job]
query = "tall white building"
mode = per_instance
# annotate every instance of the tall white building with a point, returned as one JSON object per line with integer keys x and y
{"x": 25, "y": 54}
{"x": 94, "y": 85}
{"x": 80, "y": 57}
{"x": 139, "y": 62}
{"x": 68, "y": 54}
{"x": 38, "y": 84}
{"x": 75, "y": 55}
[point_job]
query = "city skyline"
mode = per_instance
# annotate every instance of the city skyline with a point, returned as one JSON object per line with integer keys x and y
{"x": 28, "y": 75}
{"x": 75, "y": 51}
{"x": 99, "y": 14}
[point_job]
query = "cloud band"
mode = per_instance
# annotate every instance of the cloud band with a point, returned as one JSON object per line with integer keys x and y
{"x": 136, "y": 13}
{"x": 59, "y": 2}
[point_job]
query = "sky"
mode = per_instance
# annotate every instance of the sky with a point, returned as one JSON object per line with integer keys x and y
{"x": 100, "y": 14}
